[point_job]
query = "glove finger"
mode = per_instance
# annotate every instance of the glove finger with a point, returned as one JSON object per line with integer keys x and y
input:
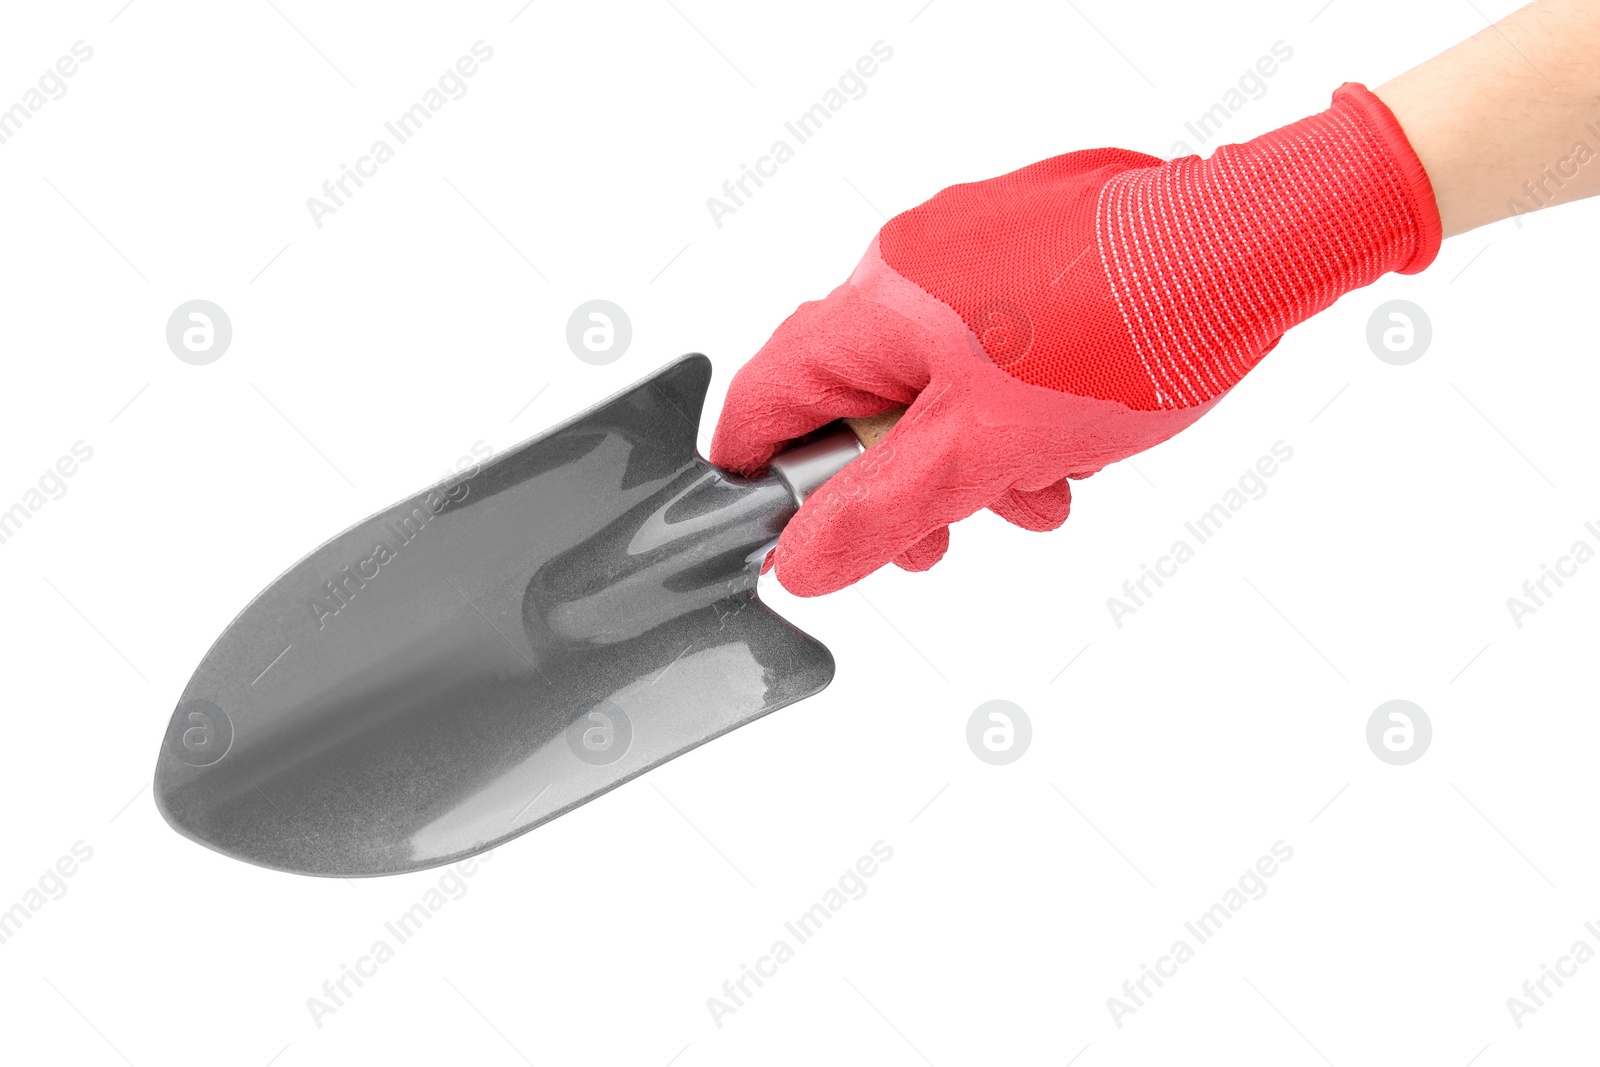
{"x": 924, "y": 475}
{"x": 1035, "y": 509}
{"x": 926, "y": 552}
{"x": 843, "y": 357}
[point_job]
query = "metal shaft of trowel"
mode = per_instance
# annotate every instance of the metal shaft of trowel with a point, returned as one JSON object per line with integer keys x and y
{"x": 804, "y": 468}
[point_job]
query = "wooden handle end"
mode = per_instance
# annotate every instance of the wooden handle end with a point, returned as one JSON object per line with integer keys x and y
{"x": 872, "y": 428}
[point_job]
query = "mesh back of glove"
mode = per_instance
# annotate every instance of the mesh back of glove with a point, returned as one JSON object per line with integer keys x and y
{"x": 1069, "y": 314}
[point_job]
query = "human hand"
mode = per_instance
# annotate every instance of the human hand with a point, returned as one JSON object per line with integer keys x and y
{"x": 1047, "y": 322}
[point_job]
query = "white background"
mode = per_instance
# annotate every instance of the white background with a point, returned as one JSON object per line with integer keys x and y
{"x": 1226, "y": 715}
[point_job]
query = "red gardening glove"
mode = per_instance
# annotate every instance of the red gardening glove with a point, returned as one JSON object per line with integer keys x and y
{"x": 1067, "y": 315}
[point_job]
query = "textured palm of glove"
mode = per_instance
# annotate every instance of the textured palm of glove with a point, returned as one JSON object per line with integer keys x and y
{"x": 1059, "y": 318}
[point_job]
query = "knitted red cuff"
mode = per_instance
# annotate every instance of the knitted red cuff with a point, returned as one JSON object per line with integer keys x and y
{"x": 1420, "y": 199}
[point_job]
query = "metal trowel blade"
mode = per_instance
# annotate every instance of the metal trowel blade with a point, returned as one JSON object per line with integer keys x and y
{"x": 492, "y": 653}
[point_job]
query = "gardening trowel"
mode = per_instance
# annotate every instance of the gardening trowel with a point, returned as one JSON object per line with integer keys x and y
{"x": 513, "y": 642}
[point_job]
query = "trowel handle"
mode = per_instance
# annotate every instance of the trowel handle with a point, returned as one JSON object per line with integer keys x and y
{"x": 804, "y": 468}
{"x": 871, "y": 429}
